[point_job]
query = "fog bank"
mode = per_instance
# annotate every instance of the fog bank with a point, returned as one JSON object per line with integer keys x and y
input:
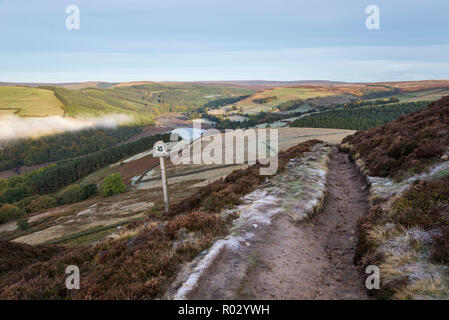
{"x": 13, "y": 127}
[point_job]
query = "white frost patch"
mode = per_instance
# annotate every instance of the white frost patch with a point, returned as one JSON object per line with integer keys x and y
{"x": 415, "y": 262}
{"x": 387, "y": 188}
{"x": 260, "y": 207}
{"x": 134, "y": 180}
{"x": 212, "y": 254}
{"x": 399, "y": 245}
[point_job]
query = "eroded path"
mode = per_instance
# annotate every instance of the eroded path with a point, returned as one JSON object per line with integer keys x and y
{"x": 314, "y": 260}
{"x": 310, "y": 259}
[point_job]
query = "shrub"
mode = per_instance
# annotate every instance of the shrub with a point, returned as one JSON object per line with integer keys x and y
{"x": 37, "y": 203}
{"x": 11, "y": 212}
{"x": 423, "y": 204}
{"x": 90, "y": 190}
{"x": 14, "y": 194}
{"x": 3, "y": 217}
{"x": 71, "y": 194}
{"x": 112, "y": 185}
{"x": 23, "y": 224}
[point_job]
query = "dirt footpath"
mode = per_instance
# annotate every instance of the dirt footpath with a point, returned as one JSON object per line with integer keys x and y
{"x": 306, "y": 260}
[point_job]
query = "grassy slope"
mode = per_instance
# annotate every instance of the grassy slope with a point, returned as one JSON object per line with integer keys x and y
{"x": 25, "y": 101}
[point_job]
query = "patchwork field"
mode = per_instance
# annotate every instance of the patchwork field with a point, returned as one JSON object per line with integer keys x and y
{"x": 329, "y": 95}
{"x": 29, "y": 102}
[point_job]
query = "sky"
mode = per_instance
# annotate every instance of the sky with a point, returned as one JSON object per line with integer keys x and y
{"x": 197, "y": 40}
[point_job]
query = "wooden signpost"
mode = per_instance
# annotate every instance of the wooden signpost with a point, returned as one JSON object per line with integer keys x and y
{"x": 160, "y": 151}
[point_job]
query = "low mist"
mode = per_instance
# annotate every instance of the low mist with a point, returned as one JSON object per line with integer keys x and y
{"x": 13, "y": 127}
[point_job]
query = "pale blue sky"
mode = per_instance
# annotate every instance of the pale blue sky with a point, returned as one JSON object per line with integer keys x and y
{"x": 223, "y": 40}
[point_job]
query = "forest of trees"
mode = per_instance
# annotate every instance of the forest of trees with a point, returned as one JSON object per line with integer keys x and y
{"x": 290, "y": 105}
{"x": 174, "y": 95}
{"x": 223, "y": 102}
{"x": 373, "y": 94}
{"x": 362, "y": 103}
{"x": 264, "y": 100}
{"x": 362, "y": 118}
{"x": 62, "y": 146}
{"x": 50, "y": 179}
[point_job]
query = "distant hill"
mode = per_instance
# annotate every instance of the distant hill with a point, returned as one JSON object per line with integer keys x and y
{"x": 142, "y": 100}
{"x": 70, "y": 85}
{"x": 146, "y": 99}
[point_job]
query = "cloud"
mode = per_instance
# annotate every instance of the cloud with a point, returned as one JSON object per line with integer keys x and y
{"x": 13, "y": 127}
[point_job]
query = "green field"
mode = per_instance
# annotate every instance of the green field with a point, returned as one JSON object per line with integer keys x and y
{"x": 28, "y": 102}
{"x": 285, "y": 94}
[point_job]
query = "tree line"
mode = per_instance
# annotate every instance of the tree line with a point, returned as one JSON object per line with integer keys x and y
{"x": 362, "y": 118}
{"x": 29, "y": 152}
{"x": 290, "y": 105}
{"x": 264, "y": 100}
{"x": 214, "y": 104}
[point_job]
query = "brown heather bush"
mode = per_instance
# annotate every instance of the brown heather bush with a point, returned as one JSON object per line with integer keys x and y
{"x": 138, "y": 267}
{"x": 14, "y": 256}
{"x": 424, "y": 204}
{"x": 408, "y": 144}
